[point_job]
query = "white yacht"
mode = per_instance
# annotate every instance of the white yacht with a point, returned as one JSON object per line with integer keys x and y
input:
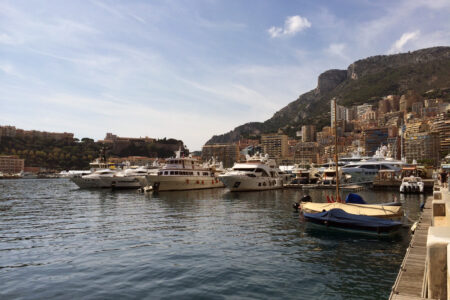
{"x": 412, "y": 185}
{"x": 98, "y": 179}
{"x": 329, "y": 176}
{"x": 182, "y": 173}
{"x": 306, "y": 176}
{"x": 257, "y": 173}
{"x": 129, "y": 178}
{"x": 366, "y": 169}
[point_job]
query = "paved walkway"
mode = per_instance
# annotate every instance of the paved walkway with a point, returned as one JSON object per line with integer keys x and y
{"x": 410, "y": 279}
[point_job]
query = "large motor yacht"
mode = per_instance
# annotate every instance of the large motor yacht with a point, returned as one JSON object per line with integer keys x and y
{"x": 98, "y": 179}
{"x": 257, "y": 173}
{"x": 182, "y": 173}
{"x": 129, "y": 178}
{"x": 366, "y": 170}
{"x": 329, "y": 176}
{"x": 305, "y": 175}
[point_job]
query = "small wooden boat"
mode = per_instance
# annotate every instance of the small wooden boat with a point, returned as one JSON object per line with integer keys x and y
{"x": 339, "y": 219}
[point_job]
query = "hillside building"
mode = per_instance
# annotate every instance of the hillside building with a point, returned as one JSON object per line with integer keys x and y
{"x": 11, "y": 164}
{"x": 307, "y": 153}
{"x": 308, "y": 133}
{"x": 341, "y": 112}
{"x": 441, "y": 125}
{"x": 361, "y": 109}
{"x": 12, "y": 131}
{"x": 423, "y": 146}
{"x": 374, "y": 138}
{"x": 228, "y": 154}
{"x": 276, "y": 145}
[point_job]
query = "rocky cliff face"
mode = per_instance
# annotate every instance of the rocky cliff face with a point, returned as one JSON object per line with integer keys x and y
{"x": 375, "y": 64}
{"x": 366, "y": 80}
{"x": 330, "y": 79}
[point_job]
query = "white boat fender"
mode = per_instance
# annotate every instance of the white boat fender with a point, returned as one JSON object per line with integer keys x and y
{"x": 414, "y": 226}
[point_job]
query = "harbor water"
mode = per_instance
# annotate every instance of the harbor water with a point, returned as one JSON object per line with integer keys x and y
{"x": 60, "y": 242}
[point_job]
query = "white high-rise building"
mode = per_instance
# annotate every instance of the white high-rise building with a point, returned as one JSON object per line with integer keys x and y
{"x": 341, "y": 113}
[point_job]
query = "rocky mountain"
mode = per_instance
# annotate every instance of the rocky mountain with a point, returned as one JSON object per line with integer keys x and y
{"x": 365, "y": 81}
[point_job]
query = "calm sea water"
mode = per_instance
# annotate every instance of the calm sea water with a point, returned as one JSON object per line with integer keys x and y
{"x": 60, "y": 242}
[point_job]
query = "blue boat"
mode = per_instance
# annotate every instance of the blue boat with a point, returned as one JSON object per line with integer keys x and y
{"x": 339, "y": 219}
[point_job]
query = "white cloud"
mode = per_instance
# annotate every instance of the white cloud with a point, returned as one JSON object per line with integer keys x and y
{"x": 9, "y": 70}
{"x": 338, "y": 49}
{"x": 7, "y": 39}
{"x": 405, "y": 38}
{"x": 292, "y": 25}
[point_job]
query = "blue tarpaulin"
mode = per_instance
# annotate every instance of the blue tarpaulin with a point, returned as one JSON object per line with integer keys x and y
{"x": 354, "y": 198}
{"x": 338, "y": 218}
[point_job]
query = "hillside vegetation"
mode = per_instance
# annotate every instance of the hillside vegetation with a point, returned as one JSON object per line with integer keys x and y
{"x": 74, "y": 154}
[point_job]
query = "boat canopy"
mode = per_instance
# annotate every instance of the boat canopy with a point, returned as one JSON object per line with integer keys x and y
{"x": 372, "y": 210}
{"x": 354, "y": 198}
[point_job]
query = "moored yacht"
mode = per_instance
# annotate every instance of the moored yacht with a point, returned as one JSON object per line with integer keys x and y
{"x": 129, "y": 178}
{"x": 305, "y": 176}
{"x": 98, "y": 179}
{"x": 256, "y": 174}
{"x": 329, "y": 176}
{"x": 366, "y": 170}
{"x": 182, "y": 173}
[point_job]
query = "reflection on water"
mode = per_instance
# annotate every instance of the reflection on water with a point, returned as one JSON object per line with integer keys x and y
{"x": 58, "y": 241}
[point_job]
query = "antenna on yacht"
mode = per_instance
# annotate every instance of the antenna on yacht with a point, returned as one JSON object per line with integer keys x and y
{"x": 336, "y": 150}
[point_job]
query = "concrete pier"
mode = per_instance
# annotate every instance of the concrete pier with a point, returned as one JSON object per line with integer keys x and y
{"x": 424, "y": 273}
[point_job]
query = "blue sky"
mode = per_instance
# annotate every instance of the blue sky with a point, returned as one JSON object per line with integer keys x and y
{"x": 188, "y": 69}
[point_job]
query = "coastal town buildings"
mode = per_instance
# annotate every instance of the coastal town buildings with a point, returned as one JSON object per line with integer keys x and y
{"x": 374, "y": 138}
{"x": 228, "y": 154}
{"x": 11, "y": 164}
{"x": 12, "y": 131}
{"x": 423, "y": 147}
{"x": 441, "y": 125}
{"x": 307, "y": 153}
{"x": 308, "y": 133}
{"x": 276, "y": 145}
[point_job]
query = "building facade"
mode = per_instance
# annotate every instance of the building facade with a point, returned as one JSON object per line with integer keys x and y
{"x": 308, "y": 133}
{"x": 276, "y": 145}
{"x": 307, "y": 153}
{"x": 228, "y": 154}
{"x": 374, "y": 138}
{"x": 11, "y": 164}
{"x": 423, "y": 146}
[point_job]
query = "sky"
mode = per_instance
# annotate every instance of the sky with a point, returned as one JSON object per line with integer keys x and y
{"x": 188, "y": 69}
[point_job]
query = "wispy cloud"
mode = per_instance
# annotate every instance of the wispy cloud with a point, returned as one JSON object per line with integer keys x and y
{"x": 401, "y": 42}
{"x": 292, "y": 25}
{"x": 338, "y": 50}
{"x": 9, "y": 69}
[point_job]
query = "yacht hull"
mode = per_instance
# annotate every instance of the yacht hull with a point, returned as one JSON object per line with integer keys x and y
{"x": 244, "y": 183}
{"x": 128, "y": 182}
{"x": 181, "y": 183}
{"x": 85, "y": 183}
